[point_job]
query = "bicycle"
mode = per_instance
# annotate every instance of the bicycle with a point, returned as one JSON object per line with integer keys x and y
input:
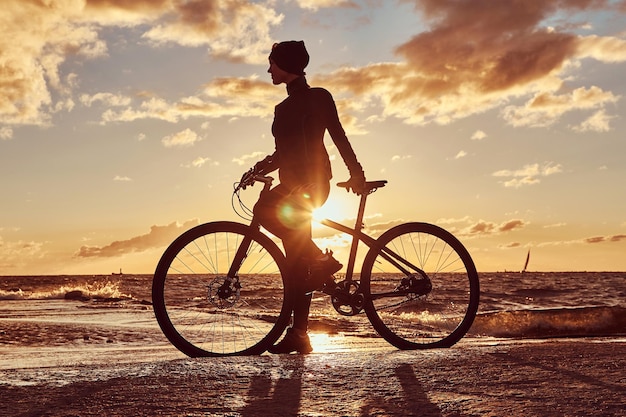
{"x": 219, "y": 288}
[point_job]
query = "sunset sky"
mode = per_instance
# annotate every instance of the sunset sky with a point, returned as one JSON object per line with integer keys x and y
{"x": 125, "y": 122}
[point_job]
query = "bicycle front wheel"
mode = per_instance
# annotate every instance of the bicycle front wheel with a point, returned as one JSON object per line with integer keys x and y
{"x": 421, "y": 287}
{"x": 207, "y": 307}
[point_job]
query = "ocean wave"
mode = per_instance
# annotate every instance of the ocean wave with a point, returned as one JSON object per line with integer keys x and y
{"x": 554, "y": 322}
{"x": 84, "y": 291}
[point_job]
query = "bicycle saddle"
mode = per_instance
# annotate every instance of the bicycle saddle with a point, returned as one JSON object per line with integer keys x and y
{"x": 369, "y": 187}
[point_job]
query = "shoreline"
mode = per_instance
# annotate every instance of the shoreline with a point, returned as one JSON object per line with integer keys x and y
{"x": 495, "y": 377}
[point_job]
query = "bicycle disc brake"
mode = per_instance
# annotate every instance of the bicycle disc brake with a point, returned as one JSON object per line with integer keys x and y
{"x": 224, "y": 292}
{"x": 347, "y": 299}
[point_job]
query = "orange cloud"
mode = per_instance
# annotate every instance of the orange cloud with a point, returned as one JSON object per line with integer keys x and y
{"x": 15, "y": 254}
{"x": 545, "y": 107}
{"x": 158, "y": 236}
{"x": 528, "y": 175}
{"x": 481, "y": 227}
{"x": 222, "y": 97}
{"x": 39, "y": 36}
{"x": 478, "y": 55}
{"x": 601, "y": 239}
{"x": 493, "y": 45}
{"x": 231, "y": 29}
{"x": 319, "y": 4}
{"x": 183, "y": 138}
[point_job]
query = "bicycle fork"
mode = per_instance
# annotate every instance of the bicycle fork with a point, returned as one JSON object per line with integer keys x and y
{"x": 231, "y": 281}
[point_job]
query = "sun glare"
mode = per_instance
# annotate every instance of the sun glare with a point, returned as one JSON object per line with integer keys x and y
{"x": 335, "y": 208}
{"x": 325, "y": 343}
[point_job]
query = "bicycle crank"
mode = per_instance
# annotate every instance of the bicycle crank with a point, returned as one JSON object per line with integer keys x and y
{"x": 347, "y": 299}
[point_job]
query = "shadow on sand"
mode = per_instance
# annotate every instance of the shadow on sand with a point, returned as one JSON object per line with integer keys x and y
{"x": 284, "y": 397}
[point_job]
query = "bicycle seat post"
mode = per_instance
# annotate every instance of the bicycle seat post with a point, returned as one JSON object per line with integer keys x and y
{"x": 361, "y": 213}
{"x": 358, "y": 226}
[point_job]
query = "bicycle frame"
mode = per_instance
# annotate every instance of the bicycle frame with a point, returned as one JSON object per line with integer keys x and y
{"x": 356, "y": 232}
{"x": 357, "y": 235}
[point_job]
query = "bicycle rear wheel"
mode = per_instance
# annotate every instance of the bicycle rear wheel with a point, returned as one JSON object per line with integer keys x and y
{"x": 204, "y": 313}
{"x": 433, "y": 302}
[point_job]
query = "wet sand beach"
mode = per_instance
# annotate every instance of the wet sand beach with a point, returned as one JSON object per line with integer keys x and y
{"x": 562, "y": 377}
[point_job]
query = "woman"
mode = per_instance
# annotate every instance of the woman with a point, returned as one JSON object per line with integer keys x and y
{"x": 304, "y": 170}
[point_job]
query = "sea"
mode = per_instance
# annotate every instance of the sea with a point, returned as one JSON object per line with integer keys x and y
{"x": 35, "y": 309}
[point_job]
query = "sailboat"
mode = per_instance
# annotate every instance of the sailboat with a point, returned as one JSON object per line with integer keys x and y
{"x": 526, "y": 263}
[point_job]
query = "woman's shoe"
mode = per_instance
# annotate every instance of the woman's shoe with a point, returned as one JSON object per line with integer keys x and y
{"x": 321, "y": 273}
{"x": 292, "y": 342}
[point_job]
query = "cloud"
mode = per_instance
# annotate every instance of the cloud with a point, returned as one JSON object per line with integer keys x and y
{"x": 511, "y": 245}
{"x": 482, "y": 227}
{"x": 602, "y": 239}
{"x": 473, "y": 56}
{"x": 598, "y": 122}
{"x": 588, "y": 240}
{"x": 158, "y": 236}
{"x": 231, "y": 29}
{"x": 479, "y": 135}
{"x": 400, "y": 157}
{"x": 14, "y": 254}
{"x": 376, "y": 229}
{"x": 107, "y": 99}
{"x": 511, "y": 225}
{"x": 320, "y": 4}
{"x": 529, "y": 174}
{"x": 460, "y": 154}
{"x": 222, "y": 97}
{"x": 38, "y": 37}
{"x": 6, "y": 133}
{"x": 199, "y": 162}
{"x": 183, "y": 138}
{"x": 249, "y": 158}
{"x": 478, "y": 55}
{"x": 545, "y": 108}
{"x": 549, "y": 226}
{"x": 602, "y": 48}
{"x": 121, "y": 178}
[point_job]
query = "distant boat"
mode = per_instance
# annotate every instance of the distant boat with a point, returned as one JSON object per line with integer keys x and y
{"x": 115, "y": 273}
{"x": 525, "y": 263}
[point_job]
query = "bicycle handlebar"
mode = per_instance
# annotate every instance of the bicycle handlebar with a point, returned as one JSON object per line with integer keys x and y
{"x": 251, "y": 176}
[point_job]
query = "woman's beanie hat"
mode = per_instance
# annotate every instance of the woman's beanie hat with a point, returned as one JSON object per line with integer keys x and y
{"x": 290, "y": 56}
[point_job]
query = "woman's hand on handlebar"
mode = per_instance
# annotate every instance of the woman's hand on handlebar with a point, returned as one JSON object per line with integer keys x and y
{"x": 247, "y": 179}
{"x": 250, "y": 177}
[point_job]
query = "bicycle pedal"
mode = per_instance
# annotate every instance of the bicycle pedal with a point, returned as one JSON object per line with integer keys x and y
{"x": 330, "y": 288}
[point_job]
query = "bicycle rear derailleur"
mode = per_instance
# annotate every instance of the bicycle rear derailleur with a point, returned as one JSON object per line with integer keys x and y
{"x": 418, "y": 286}
{"x": 346, "y": 297}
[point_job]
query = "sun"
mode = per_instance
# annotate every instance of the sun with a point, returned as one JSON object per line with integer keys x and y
{"x": 336, "y": 208}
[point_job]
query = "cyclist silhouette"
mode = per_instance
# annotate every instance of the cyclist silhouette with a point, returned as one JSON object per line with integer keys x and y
{"x": 304, "y": 171}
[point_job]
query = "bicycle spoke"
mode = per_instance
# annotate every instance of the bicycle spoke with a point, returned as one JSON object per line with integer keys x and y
{"x": 433, "y": 305}
{"x": 202, "y": 311}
